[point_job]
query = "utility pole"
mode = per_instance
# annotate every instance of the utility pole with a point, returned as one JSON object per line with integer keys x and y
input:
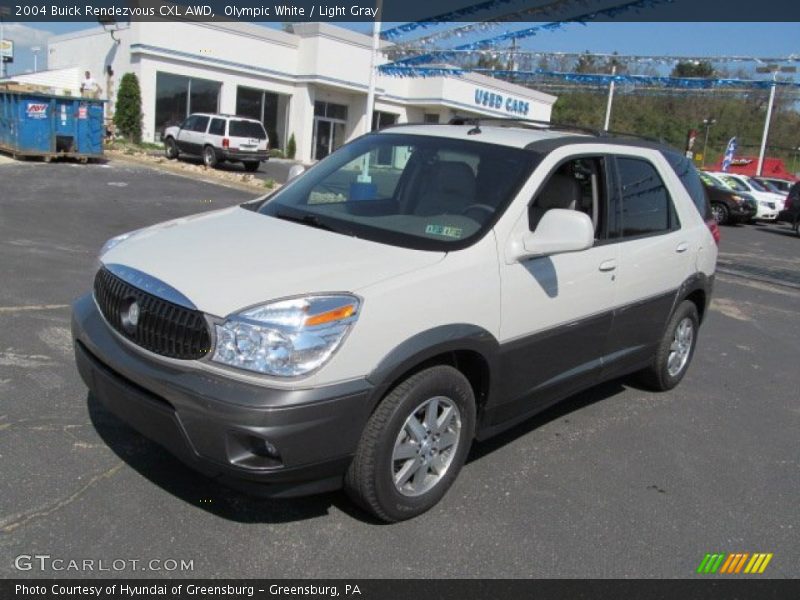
{"x": 774, "y": 69}
{"x": 610, "y": 98}
{"x": 35, "y": 50}
{"x": 364, "y": 177}
{"x": 376, "y": 45}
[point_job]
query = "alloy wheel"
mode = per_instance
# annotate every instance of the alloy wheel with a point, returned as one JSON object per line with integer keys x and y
{"x": 681, "y": 347}
{"x": 426, "y": 445}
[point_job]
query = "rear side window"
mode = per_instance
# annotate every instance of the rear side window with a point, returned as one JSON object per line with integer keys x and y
{"x": 217, "y": 127}
{"x": 247, "y": 129}
{"x": 690, "y": 178}
{"x": 646, "y": 204}
{"x": 200, "y": 124}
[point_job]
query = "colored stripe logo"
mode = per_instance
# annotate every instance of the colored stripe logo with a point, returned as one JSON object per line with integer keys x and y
{"x": 734, "y": 563}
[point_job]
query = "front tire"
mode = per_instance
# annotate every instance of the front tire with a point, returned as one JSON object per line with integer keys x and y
{"x": 171, "y": 149}
{"x": 413, "y": 445}
{"x": 675, "y": 351}
{"x": 210, "y": 157}
{"x": 721, "y": 213}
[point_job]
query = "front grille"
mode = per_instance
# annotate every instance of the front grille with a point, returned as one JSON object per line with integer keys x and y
{"x": 162, "y": 327}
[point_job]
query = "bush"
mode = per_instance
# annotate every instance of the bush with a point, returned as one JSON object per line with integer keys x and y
{"x": 276, "y": 153}
{"x": 291, "y": 147}
{"x": 128, "y": 113}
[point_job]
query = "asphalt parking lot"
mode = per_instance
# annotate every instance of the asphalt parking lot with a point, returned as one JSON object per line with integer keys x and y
{"x": 615, "y": 482}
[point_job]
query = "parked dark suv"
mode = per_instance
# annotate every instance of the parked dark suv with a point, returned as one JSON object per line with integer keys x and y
{"x": 791, "y": 209}
{"x": 727, "y": 205}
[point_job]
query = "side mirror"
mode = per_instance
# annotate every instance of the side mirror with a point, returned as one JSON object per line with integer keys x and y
{"x": 295, "y": 172}
{"x": 559, "y": 230}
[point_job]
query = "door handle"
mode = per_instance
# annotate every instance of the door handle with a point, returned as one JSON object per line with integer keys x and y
{"x": 682, "y": 247}
{"x": 608, "y": 265}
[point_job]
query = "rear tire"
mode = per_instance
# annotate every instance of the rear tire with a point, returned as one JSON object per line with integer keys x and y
{"x": 210, "y": 159}
{"x": 251, "y": 166}
{"x": 721, "y": 213}
{"x": 675, "y": 351}
{"x": 171, "y": 149}
{"x": 413, "y": 445}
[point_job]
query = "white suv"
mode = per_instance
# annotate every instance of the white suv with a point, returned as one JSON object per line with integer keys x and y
{"x": 420, "y": 288}
{"x": 218, "y": 138}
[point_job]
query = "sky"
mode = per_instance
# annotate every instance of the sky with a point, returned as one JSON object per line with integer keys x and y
{"x": 675, "y": 39}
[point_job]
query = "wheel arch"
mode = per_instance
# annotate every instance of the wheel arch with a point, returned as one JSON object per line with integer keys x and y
{"x": 469, "y": 348}
{"x": 697, "y": 289}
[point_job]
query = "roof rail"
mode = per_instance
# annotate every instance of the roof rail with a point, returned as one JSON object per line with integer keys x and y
{"x": 533, "y": 123}
{"x": 511, "y": 121}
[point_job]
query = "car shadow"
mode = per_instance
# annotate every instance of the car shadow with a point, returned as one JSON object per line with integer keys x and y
{"x": 164, "y": 470}
{"x": 224, "y": 166}
{"x": 559, "y": 410}
{"x": 787, "y": 231}
{"x": 160, "y": 467}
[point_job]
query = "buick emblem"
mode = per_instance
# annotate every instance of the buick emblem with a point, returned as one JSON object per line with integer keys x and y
{"x": 133, "y": 314}
{"x": 130, "y": 314}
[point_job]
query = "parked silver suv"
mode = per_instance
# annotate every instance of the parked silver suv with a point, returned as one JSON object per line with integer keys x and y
{"x": 218, "y": 138}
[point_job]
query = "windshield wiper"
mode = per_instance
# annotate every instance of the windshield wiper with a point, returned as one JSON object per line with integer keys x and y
{"x": 306, "y": 219}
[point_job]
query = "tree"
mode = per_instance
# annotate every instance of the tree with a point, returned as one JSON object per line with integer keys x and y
{"x": 128, "y": 113}
{"x": 693, "y": 68}
{"x": 291, "y": 147}
{"x": 586, "y": 63}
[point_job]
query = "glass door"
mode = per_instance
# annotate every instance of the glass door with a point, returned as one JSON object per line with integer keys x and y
{"x": 323, "y": 130}
{"x": 329, "y": 134}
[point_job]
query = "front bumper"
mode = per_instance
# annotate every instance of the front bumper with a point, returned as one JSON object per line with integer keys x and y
{"x": 215, "y": 424}
{"x": 246, "y": 156}
{"x": 742, "y": 212}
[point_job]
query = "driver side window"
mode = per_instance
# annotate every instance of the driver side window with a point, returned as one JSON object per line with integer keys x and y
{"x": 576, "y": 184}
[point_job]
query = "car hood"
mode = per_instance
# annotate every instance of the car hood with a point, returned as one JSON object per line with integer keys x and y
{"x": 231, "y": 259}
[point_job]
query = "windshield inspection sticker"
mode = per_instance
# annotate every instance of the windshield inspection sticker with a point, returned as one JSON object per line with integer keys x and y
{"x": 444, "y": 230}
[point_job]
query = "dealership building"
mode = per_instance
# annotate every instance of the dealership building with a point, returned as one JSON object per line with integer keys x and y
{"x": 310, "y": 81}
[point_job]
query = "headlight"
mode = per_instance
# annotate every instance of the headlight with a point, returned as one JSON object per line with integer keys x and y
{"x": 286, "y": 338}
{"x": 737, "y": 199}
{"x": 764, "y": 203}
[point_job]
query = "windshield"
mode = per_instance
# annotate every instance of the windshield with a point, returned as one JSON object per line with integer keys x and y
{"x": 248, "y": 129}
{"x": 415, "y": 191}
{"x": 734, "y": 183}
{"x": 710, "y": 180}
{"x": 759, "y": 187}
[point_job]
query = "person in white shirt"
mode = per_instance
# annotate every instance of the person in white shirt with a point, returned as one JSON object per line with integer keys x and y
{"x": 89, "y": 86}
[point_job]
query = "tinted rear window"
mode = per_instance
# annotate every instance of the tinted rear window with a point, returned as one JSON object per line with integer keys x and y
{"x": 248, "y": 129}
{"x": 690, "y": 178}
{"x": 217, "y": 127}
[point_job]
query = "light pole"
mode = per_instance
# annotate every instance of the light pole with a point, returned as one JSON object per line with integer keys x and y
{"x": 774, "y": 69}
{"x": 35, "y": 50}
{"x": 4, "y": 10}
{"x": 610, "y": 98}
{"x": 708, "y": 123}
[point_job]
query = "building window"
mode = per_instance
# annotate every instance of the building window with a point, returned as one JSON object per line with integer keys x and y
{"x": 261, "y": 105}
{"x": 431, "y": 118}
{"x": 330, "y": 110}
{"x": 178, "y": 96}
{"x": 383, "y": 119}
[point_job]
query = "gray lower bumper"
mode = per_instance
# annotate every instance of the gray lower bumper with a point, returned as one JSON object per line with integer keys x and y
{"x": 211, "y": 421}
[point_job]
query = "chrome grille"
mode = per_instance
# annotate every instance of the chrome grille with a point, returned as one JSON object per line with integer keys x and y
{"x": 162, "y": 327}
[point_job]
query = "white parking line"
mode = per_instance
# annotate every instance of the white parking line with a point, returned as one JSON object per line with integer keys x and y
{"x": 15, "y": 309}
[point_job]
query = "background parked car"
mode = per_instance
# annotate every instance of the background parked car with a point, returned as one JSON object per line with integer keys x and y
{"x": 218, "y": 138}
{"x": 728, "y": 206}
{"x": 791, "y": 209}
{"x": 780, "y": 186}
{"x": 769, "y": 203}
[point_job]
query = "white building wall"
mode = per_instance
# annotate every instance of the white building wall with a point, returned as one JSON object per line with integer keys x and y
{"x": 317, "y": 61}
